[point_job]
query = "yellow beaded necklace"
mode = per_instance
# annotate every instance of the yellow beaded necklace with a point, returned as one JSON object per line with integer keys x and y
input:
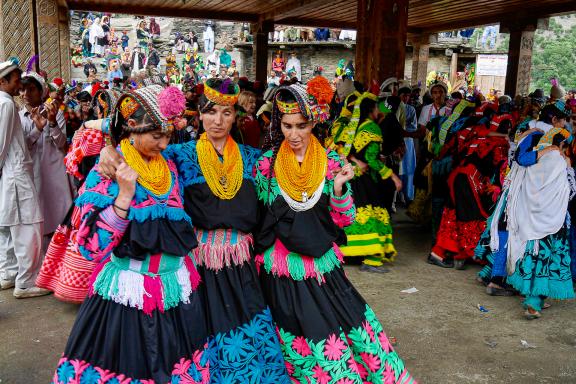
{"x": 154, "y": 175}
{"x": 224, "y": 178}
{"x": 300, "y": 181}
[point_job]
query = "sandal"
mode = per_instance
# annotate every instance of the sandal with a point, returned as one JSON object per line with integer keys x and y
{"x": 532, "y": 314}
{"x": 498, "y": 291}
{"x": 439, "y": 262}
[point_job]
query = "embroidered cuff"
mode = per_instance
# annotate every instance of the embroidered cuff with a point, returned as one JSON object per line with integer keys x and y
{"x": 344, "y": 202}
{"x": 385, "y": 172}
{"x": 109, "y": 216}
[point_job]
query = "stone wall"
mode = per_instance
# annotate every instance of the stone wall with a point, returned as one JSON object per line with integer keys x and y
{"x": 228, "y": 35}
{"x": 310, "y": 55}
{"x": 327, "y": 56}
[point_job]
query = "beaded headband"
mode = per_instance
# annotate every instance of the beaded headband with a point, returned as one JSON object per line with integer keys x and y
{"x": 220, "y": 98}
{"x": 287, "y": 108}
{"x": 128, "y": 106}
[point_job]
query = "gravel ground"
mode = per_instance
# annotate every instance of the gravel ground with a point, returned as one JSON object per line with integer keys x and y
{"x": 441, "y": 334}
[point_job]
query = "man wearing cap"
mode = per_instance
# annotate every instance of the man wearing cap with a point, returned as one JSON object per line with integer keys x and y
{"x": 20, "y": 214}
{"x": 46, "y": 140}
{"x": 438, "y": 91}
{"x": 294, "y": 65}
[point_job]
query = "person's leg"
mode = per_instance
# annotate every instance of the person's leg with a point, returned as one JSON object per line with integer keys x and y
{"x": 533, "y": 303}
{"x": 8, "y": 262}
{"x": 27, "y": 239}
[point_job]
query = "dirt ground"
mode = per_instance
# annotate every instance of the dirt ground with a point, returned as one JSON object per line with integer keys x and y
{"x": 441, "y": 335}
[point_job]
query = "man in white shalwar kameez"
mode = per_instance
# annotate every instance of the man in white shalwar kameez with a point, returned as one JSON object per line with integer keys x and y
{"x": 294, "y": 63}
{"x": 20, "y": 214}
{"x": 46, "y": 140}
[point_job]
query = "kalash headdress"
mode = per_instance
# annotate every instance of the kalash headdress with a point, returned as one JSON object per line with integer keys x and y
{"x": 107, "y": 99}
{"x": 163, "y": 105}
{"x": 312, "y": 102}
{"x": 225, "y": 93}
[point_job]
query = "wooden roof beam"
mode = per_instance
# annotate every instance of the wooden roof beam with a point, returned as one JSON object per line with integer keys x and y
{"x": 519, "y": 16}
{"x": 317, "y": 23}
{"x": 164, "y": 11}
{"x": 287, "y": 10}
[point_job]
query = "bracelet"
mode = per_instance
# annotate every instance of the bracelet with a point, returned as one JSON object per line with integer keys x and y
{"x": 122, "y": 209}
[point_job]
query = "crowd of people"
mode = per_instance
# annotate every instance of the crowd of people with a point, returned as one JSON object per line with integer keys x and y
{"x": 203, "y": 224}
{"x": 204, "y": 240}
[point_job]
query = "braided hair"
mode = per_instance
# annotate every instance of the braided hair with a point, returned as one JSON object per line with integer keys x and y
{"x": 119, "y": 127}
{"x": 286, "y": 94}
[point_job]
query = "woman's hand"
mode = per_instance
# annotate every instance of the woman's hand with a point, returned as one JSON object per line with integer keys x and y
{"x": 110, "y": 161}
{"x": 345, "y": 174}
{"x": 397, "y": 182}
{"x": 126, "y": 178}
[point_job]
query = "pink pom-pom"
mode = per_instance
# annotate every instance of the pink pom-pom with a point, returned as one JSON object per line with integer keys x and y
{"x": 171, "y": 102}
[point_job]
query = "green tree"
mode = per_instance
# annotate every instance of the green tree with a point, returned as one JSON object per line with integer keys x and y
{"x": 554, "y": 54}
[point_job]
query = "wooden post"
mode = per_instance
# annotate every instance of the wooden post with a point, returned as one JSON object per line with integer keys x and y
{"x": 17, "y": 25}
{"x": 381, "y": 39}
{"x": 421, "y": 51}
{"x": 64, "y": 32}
{"x": 260, "y": 57}
{"x": 454, "y": 68}
{"x": 519, "y": 58}
{"x": 513, "y": 57}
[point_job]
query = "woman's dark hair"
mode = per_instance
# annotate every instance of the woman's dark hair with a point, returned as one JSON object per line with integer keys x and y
{"x": 366, "y": 107}
{"x": 549, "y": 112}
{"x": 349, "y": 100}
{"x": 456, "y": 95}
{"x": 84, "y": 96}
{"x": 393, "y": 102}
{"x": 276, "y": 135}
{"x": 119, "y": 123}
{"x": 505, "y": 126}
{"x": 558, "y": 139}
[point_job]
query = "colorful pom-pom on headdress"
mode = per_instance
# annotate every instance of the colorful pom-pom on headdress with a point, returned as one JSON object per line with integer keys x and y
{"x": 319, "y": 87}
